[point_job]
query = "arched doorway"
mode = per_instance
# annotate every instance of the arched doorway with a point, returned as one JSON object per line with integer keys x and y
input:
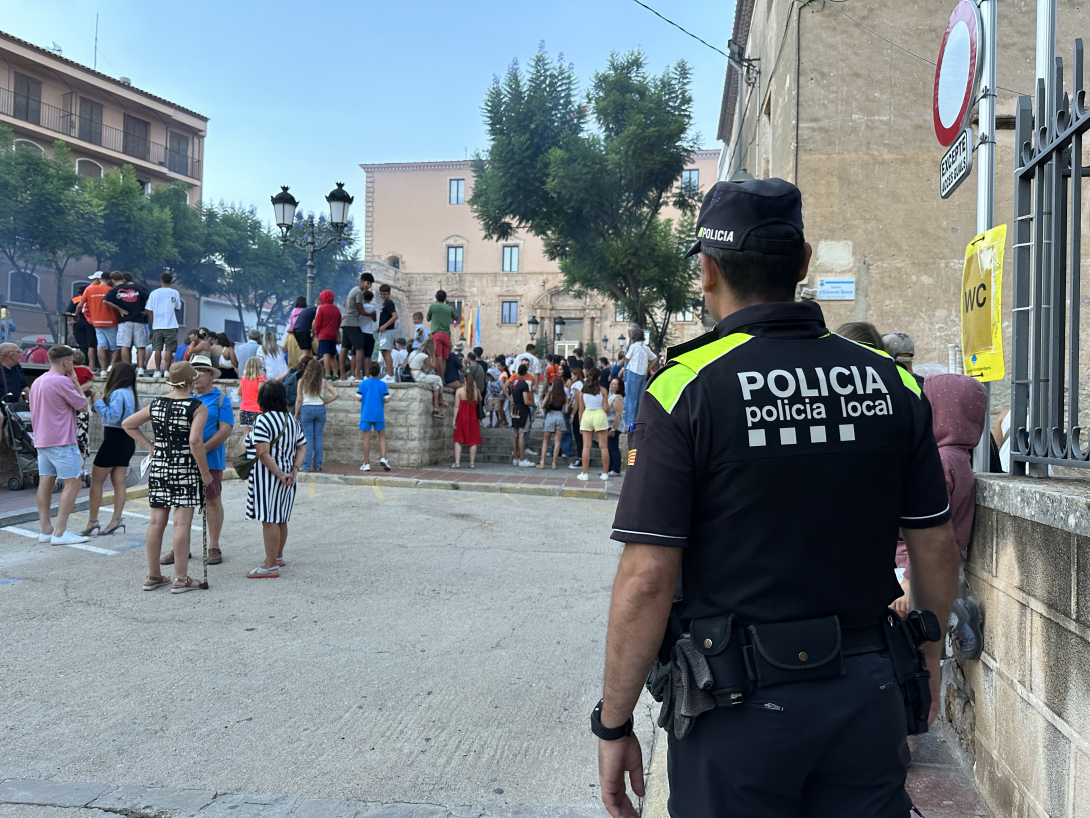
{"x": 581, "y": 313}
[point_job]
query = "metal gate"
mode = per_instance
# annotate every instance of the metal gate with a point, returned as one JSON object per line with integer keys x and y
{"x": 1046, "y": 315}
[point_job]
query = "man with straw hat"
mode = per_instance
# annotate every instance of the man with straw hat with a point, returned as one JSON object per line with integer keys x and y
{"x": 217, "y": 430}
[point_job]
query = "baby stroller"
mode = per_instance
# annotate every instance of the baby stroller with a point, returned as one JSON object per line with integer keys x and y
{"x": 20, "y": 436}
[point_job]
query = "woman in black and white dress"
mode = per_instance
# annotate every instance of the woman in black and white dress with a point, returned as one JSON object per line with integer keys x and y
{"x": 279, "y": 444}
{"x": 179, "y": 472}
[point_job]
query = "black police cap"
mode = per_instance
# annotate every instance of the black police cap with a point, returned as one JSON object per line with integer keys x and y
{"x": 733, "y": 211}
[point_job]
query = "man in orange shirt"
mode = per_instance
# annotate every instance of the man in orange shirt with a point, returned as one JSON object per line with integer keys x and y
{"x": 103, "y": 318}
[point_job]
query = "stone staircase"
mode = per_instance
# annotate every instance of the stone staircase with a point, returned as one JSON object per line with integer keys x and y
{"x": 496, "y": 444}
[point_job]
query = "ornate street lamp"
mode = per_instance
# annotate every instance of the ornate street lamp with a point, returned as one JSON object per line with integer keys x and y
{"x": 284, "y": 205}
{"x": 605, "y": 343}
{"x": 621, "y": 342}
{"x": 532, "y": 325}
{"x": 339, "y": 200}
{"x": 558, "y": 327}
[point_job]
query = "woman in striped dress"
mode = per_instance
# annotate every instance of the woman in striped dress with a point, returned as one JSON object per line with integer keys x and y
{"x": 278, "y": 443}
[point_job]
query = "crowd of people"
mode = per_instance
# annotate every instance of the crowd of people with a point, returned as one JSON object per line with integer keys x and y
{"x": 284, "y": 390}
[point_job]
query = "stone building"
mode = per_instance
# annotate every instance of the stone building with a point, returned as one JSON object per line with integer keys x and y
{"x": 846, "y": 115}
{"x": 421, "y": 236}
{"x": 837, "y": 98}
{"x": 106, "y": 122}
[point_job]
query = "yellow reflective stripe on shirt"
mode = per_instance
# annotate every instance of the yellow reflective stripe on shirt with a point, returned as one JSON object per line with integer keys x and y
{"x": 908, "y": 380}
{"x": 906, "y": 376}
{"x": 700, "y": 357}
{"x": 670, "y": 383}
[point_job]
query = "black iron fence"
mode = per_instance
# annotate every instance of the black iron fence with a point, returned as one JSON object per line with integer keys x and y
{"x": 72, "y": 126}
{"x": 1046, "y": 319}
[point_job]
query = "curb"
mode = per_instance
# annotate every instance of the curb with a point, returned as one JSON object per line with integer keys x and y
{"x": 26, "y": 515}
{"x": 443, "y": 485}
{"x": 657, "y": 783}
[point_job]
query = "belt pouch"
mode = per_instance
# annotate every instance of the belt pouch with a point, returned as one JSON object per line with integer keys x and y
{"x": 712, "y": 637}
{"x": 796, "y": 651}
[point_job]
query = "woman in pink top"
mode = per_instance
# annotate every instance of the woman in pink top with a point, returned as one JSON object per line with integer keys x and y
{"x": 249, "y": 385}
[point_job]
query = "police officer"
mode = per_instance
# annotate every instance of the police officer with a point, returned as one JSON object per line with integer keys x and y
{"x": 773, "y": 462}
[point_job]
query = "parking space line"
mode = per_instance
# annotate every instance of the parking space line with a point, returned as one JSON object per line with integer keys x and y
{"x": 148, "y": 517}
{"x": 11, "y": 580}
{"x": 378, "y": 492}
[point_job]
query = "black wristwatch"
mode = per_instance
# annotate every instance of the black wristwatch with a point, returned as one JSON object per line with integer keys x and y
{"x": 607, "y": 733}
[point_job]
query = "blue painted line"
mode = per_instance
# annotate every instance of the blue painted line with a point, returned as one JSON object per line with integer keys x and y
{"x": 131, "y": 547}
{"x": 11, "y": 580}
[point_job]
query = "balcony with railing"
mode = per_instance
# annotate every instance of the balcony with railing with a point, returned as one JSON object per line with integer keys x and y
{"x": 72, "y": 126}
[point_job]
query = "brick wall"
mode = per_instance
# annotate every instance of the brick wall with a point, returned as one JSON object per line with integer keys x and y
{"x": 1023, "y": 709}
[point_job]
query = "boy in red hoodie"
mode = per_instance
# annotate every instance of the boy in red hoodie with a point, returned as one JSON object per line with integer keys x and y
{"x": 958, "y": 407}
{"x": 327, "y": 323}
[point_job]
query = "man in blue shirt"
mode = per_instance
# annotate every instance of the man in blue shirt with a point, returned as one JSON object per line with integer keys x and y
{"x": 217, "y": 429}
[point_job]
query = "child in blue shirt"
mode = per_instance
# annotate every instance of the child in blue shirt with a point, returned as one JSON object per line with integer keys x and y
{"x": 373, "y": 394}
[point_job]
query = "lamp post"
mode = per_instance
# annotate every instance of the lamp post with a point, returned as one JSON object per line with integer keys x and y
{"x": 532, "y": 326}
{"x": 620, "y": 342}
{"x": 605, "y": 345}
{"x": 558, "y": 327}
{"x": 284, "y": 205}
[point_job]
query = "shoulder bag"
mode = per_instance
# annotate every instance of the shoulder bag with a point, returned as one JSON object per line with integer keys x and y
{"x": 244, "y": 464}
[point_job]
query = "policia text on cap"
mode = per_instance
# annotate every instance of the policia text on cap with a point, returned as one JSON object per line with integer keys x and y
{"x": 774, "y": 462}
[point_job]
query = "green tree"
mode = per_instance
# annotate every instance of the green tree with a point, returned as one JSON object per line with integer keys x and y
{"x": 591, "y": 178}
{"x": 136, "y": 234}
{"x": 48, "y": 216}
{"x": 242, "y": 262}
{"x": 189, "y": 240}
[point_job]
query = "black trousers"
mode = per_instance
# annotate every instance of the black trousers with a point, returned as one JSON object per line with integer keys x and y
{"x": 613, "y": 438}
{"x": 834, "y": 748}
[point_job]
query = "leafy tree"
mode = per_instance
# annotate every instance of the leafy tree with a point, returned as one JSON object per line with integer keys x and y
{"x": 591, "y": 178}
{"x": 243, "y": 262}
{"x": 136, "y": 234}
{"x": 188, "y": 238}
{"x": 48, "y": 216}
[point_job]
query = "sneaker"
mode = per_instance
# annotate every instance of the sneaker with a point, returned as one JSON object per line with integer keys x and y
{"x": 158, "y": 373}
{"x": 365, "y": 467}
{"x": 514, "y": 461}
{"x": 526, "y": 464}
{"x": 384, "y": 463}
{"x": 45, "y": 538}
{"x": 388, "y": 379}
{"x": 139, "y": 372}
{"x": 575, "y": 464}
{"x": 531, "y": 451}
{"x": 583, "y": 477}
{"x": 67, "y": 538}
{"x": 965, "y": 633}
{"x": 603, "y": 476}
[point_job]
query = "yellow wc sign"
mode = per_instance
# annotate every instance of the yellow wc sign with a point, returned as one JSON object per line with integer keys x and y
{"x": 981, "y": 300}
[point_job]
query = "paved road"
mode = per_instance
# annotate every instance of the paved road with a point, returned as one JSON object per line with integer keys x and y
{"x": 431, "y": 647}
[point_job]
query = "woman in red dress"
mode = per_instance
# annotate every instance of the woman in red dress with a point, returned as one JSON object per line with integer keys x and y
{"x": 467, "y": 426}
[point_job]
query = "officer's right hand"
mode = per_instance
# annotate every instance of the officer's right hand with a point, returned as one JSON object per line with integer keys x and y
{"x": 614, "y": 759}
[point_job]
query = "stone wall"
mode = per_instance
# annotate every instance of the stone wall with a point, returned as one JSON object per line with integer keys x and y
{"x": 414, "y": 437}
{"x": 1023, "y": 709}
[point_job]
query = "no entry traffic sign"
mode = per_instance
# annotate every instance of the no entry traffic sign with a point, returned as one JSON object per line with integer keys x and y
{"x": 958, "y": 72}
{"x": 957, "y": 164}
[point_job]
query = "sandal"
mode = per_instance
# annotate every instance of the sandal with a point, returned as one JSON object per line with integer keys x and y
{"x": 280, "y": 562}
{"x": 112, "y": 526}
{"x": 261, "y": 572}
{"x": 151, "y": 583}
{"x": 92, "y": 527}
{"x": 168, "y": 557}
{"x": 180, "y": 586}
{"x": 215, "y": 556}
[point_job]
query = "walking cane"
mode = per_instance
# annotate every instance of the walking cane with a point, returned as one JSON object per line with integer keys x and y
{"x": 204, "y": 536}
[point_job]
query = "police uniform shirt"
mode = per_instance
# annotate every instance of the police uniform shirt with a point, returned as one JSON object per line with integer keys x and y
{"x": 782, "y": 458}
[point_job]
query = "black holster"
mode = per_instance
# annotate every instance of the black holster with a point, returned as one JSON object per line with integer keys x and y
{"x": 904, "y": 638}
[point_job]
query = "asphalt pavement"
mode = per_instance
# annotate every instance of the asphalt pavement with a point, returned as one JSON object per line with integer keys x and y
{"x": 420, "y": 648}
